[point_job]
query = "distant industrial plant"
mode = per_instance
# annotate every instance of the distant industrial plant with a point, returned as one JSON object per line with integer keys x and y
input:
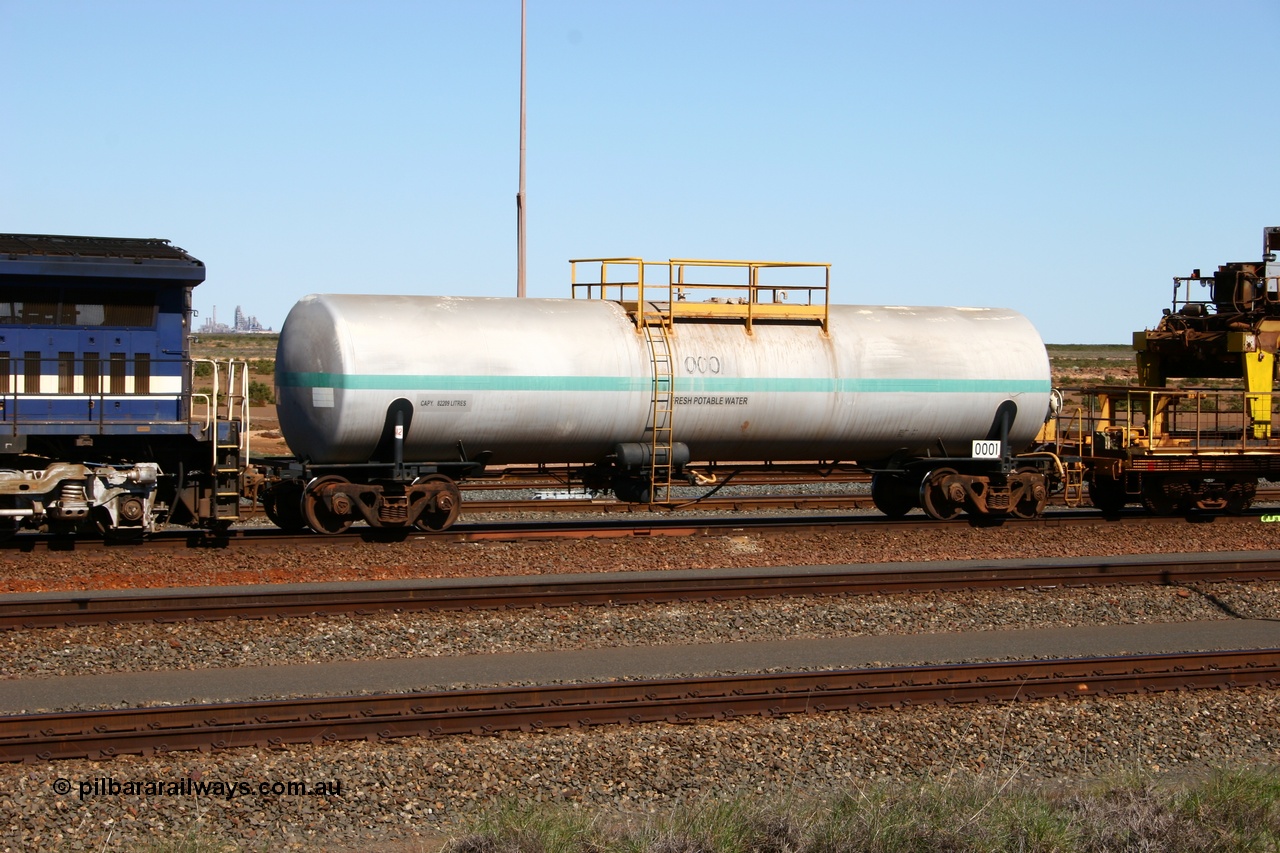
{"x": 244, "y": 324}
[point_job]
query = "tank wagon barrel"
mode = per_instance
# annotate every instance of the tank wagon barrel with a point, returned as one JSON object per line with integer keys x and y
{"x": 387, "y": 400}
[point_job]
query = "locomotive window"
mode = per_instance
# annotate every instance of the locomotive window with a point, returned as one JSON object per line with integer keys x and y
{"x": 66, "y": 373}
{"x": 31, "y": 372}
{"x": 5, "y": 367}
{"x": 37, "y": 313}
{"x": 79, "y": 307}
{"x": 83, "y": 314}
{"x": 92, "y": 373}
{"x": 142, "y": 373}
{"x": 117, "y": 373}
{"x": 108, "y": 308}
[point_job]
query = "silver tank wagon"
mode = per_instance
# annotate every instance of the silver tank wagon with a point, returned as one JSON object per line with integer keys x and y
{"x": 936, "y": 401}
{"x": 565, "y": 380}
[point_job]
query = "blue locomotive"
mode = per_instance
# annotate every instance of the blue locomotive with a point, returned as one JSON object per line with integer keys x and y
{"x": 100, "y": 423}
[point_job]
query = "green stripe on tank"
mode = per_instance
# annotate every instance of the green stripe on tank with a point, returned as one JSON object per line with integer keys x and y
{"x": 861, "y": 385}
{"x": 384, "y": 382}
{"x": 716, "y": 385}
{"x": 947, "y": 386}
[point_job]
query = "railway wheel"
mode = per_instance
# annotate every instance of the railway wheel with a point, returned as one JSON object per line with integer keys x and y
{"x": 1107, "y": 494}
{"x": 1240, "y": 495}
{"x": 941, "y": 500}
{"x": 319, "y": 514}
{"x": 112, "y": 532}
{"x": 282, "y": 503}
{"x": 1165, "y": 495}
{"x": 1162, "y": 505}
{"x": 893, "y": 494}
{"x": 1034, "y": 497}
{"x": 444, "y": 503}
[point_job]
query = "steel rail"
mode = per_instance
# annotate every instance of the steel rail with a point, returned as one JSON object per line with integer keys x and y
{"x": 737, "y": 503}
{"x": 726, "y": 503}
{"x": 467, "y": 531}
{"x": 741, "y": 474}
{"x": 732, "y": 503}
{"x": 652, "y": 524}
{"x": 104, "y": 734}
{"x": 51, "y": 610}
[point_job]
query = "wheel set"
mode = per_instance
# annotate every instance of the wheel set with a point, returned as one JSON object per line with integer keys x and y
{"x": 943, "y": 493}
{"x": 330, "y": 504}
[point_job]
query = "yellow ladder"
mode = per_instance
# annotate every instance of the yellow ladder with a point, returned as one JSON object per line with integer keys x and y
{"x": 656, "y": 325}
{"x": 1073, "y": 483}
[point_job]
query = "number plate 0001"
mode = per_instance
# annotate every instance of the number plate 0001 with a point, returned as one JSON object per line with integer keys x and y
{"x": 986, "y": 450}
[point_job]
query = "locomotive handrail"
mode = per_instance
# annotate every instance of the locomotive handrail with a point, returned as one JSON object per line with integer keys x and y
{"x": 240, "y": 401}
{"x": 215, "y": 397}
{"x": 109, "y": 379}
{"x": 210, "y": 399}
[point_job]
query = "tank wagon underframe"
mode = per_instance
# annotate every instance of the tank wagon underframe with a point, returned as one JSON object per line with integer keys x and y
{"x": 641, "y": 382}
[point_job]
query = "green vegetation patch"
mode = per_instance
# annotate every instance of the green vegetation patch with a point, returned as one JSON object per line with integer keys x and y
{"x": 257, "y": 352}
{"x": 236, "y": 346}
{"x": 1237, "y": 810}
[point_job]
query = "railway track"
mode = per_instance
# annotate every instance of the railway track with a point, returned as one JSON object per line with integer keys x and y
{"x": 738, "y": 503}
{"x": 147, "y": 731}
{"x": 739, "y": 474}
{"x": 65, "y": 609}
{"x": 627, "y": 524}
{"x": 568, "y": 502}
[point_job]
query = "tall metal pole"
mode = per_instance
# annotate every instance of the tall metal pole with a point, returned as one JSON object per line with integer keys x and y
{"x": 520, "y": 192}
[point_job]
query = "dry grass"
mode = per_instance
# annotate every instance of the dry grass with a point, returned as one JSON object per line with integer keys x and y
{"x": 1228, "y": 811}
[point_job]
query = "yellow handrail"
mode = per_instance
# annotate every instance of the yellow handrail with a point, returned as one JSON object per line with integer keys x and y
{"x": 691, "y": 291}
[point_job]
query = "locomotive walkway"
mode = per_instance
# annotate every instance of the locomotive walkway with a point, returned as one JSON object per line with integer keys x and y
{"x": 28, "y": 695}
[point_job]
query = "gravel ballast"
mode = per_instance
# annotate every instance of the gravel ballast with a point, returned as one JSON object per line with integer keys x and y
{"x": 421, "y": 790}
{"x": 137, "y": 568}
{"x": 144, "y": 646}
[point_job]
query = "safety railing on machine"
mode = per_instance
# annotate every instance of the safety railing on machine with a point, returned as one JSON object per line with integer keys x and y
{"x": 1247, "y": 293}
{"x": 1171, "y": 420}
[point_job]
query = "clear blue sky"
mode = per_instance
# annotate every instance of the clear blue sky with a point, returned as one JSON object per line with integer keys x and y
{"x": 1065, "y": 159}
